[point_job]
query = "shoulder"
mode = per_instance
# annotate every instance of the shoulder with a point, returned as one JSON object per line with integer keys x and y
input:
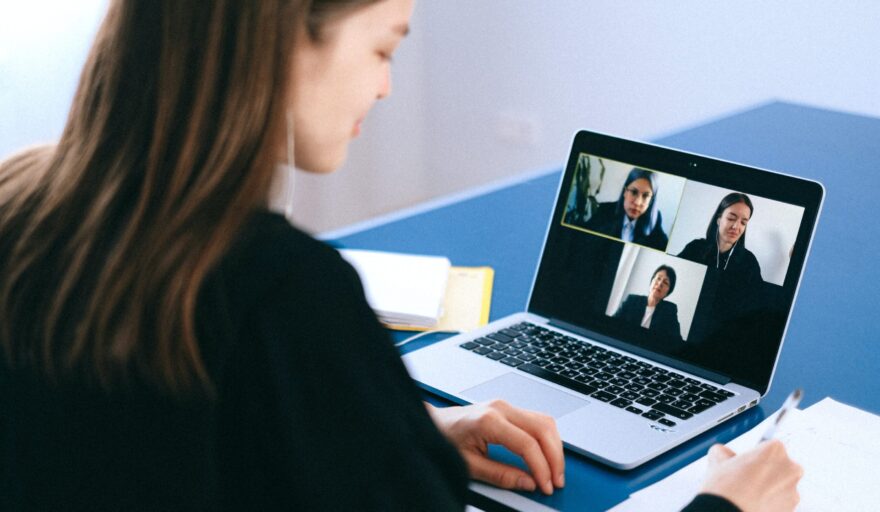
{"x": 667, "y": 306}
{"x": 695, "y": 249}
{"x": 269, "y": 250}
{"x": 634, "y": 300}
{"x": 604, "y": 215}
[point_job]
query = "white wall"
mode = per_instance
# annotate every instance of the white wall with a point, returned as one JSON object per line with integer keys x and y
{"x": 485, "y": 90}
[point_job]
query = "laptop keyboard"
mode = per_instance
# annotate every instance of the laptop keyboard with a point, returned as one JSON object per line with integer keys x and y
{"x": 638, "y": 387}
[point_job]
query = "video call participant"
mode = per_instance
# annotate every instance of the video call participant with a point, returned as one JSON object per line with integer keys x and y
{"x": 654, "y": 312}
{"x": 733, "y": 300}
{"x": 634, "y": 217}
{"x": 724, "y": 248}
{"x": 170, "y": 344}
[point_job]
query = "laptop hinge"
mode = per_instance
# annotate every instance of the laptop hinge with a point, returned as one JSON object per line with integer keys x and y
{"x": 715, "y": 377}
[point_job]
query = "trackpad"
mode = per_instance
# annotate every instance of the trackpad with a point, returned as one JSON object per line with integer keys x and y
{"x": 526, "y": 393}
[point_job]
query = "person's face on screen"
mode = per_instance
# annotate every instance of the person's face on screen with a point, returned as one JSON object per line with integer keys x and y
{"x": 660, "y": 286}
{"x": 636, "y": 198}
{"x": 732, "y": 223}
{"x": 338, "y": 79}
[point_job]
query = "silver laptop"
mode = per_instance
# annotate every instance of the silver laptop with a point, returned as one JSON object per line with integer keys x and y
{"x": 659, "y": 305}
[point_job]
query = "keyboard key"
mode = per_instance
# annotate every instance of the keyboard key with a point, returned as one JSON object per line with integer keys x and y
{"x": 602, "y": 395}
{"x": 647, "y": 402}
{"x": 497, "y": 336}
{"x": 653, "y": 415}
{"x": 569, "y": 373}
{"x": 482, "y": 351}
{"x": 484, "y": 341}
{"x": 469, "y": 345}
{"x": 681, "y": 404}
{"x": 620, "y": 402}
{"x": 676, "y": 383}
{"x": 617, "y": 381}
{"x": 634, "y": 410}
{"x": 629, "y": 395}
{"x": 513, "y": 352}
{"x": 673, "y": 411}
{"x": 664, "y": 421}
{"x": 555, "y": 368}
{"x": 665, "y": 399}
{"x": 537, "y": 371}
{"x": 633, "y": 387}
{"x": 626, "y": 375}
{"x": 513, "y": 333}
{"x": 673, "y": 391}
{"x": 715, "y": 397}
{"x": 687, "y": 397}
{"x": 657, "y": 386}
{"x": 697, "y": 409}
{"x": 693, "y": 382}
{"x": 650, "y": 392}
{"x": 525, "y": 356}
{"x": 614, "y": 389}
{"x": 693, "y": 389}
{"x": 512, "y": 361}
{"x": 496, "y": 356}
{"x": 603, "y": 376}
{"x": 541, "y": 362}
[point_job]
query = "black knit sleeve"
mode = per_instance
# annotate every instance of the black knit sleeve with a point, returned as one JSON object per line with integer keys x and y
{"x": 710, "y": 503}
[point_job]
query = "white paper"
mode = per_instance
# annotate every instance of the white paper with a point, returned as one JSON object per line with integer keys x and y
{"x": 837, "y": 445}
{"x": 402, "y": 288}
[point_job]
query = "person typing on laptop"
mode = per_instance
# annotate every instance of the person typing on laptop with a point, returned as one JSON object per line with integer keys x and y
{"x": 167, "y": 343}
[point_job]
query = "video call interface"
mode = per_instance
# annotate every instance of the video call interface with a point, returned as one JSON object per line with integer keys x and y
{"x": 673, "y": 265}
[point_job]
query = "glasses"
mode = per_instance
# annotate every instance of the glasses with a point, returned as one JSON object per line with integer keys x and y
{"x": 636, "y": 194}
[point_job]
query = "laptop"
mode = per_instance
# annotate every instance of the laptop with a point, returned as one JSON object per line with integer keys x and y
{"x": 659, "y": 305}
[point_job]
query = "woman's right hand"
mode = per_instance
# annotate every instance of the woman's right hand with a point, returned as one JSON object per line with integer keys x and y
{"x": 762, "y": 479}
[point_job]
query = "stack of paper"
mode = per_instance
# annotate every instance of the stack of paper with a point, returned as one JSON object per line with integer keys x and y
{"x": 417, "y": 293}
{"x": 403, "y": 289}
{"x": 836, "y": 444}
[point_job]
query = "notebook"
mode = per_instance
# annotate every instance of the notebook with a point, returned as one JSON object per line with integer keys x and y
{"x": 659, "y": 305}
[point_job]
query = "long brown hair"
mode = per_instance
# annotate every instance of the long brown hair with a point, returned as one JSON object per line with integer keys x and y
{"x": 170, "y": 144}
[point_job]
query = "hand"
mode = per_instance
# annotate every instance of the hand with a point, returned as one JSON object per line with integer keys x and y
{"x": 763, "y": 478}
{"x": 530, "y": 435}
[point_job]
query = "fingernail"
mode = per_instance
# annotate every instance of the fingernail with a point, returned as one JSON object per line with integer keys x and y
{"x": 561, "y": 480}
{"x": 525, "y": 483}
{"x": 548, "y": 487}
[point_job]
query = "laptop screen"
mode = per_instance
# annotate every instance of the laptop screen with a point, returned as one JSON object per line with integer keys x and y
{"x": 695, "y": 259}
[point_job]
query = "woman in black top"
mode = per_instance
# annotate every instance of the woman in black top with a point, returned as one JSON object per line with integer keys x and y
{"x": 732, "y": 285}
{"x": 663, "y": 319}
{"x": 634, "y": 217}
{"x": 169, "y": 344}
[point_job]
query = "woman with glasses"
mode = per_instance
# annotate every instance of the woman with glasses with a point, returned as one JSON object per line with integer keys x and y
{"x": 634, "y": 217}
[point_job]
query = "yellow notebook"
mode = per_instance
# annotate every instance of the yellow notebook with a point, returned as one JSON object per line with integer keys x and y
{"x": 466, "y": 302}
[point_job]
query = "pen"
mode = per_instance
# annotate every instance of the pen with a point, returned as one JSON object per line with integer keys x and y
{"x": 790, "y": 403}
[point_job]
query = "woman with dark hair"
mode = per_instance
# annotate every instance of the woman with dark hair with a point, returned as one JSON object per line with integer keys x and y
{"x": 653, "y": 312}
{"x": 169, "y": 344}
{"x": 724, "y": 248}
{"x": 635, "y": 216}
{"x": 733, "y": 292}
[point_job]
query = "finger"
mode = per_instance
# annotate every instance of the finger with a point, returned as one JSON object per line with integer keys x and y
{"x": 521, "y": 443}
{"x": 496, "y": 473}
{"x": 543, "y": 429}
{"x": 718, "y": 453}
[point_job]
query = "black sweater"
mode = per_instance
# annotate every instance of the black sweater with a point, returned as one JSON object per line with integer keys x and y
{"x": 315, "y": 410}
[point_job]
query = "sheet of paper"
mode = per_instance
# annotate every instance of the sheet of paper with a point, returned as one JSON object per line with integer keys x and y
{"x": 402, "y": 288}
{"x": 836, "y": 444}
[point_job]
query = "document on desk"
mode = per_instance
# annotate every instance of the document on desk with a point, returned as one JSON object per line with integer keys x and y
{"x": 837, "y": 445}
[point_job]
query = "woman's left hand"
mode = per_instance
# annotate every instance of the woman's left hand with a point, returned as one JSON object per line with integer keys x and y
{"x": 532, "y": 436}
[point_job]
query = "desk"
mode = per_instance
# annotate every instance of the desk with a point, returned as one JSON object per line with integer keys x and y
{"x": 831, "y": 347}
